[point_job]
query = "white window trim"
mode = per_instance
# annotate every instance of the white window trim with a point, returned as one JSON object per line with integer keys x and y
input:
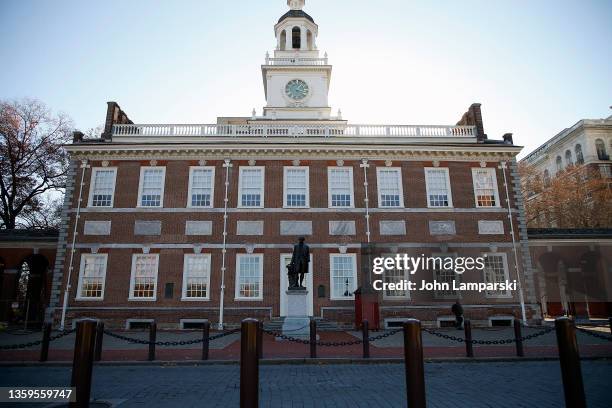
{"x": 504, "y": 256}
{"x": 80, "y": 284}
{"x": 307, "y": 169}
{"x": 331, "y": 280}
{"x": 94, "y": 170}
{"x": 401, "y": 187}
{"x": 132, "y": 278}
{"x": 494, "y": 172}
{"x": 448, "y": 184}
{"x": 329, "y": 189}
{"x": 184, "y": 289}
{"x": 212, "y": 187}
{"x": 237, "y": 296}
{"x": 141, "y": 182}
{"x": 263, "y": 186}
{"x": 457, "y": 277}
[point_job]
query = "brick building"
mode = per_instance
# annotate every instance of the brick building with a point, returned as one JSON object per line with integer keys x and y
{"x": 180, "y": 223}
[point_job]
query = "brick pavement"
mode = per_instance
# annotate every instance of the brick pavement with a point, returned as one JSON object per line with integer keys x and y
{"x": 501, "y": 384}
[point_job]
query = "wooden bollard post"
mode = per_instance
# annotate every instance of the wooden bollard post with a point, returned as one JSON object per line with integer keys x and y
{"x": 469, "y": 347}
{"x": 249, "y": 364}
{"x": 313, "y": 338}
{"x": 413, "y": 361}
{"x": 205, "y": 339}
{"x": 44, "y": 348}
{"x": 99, "y": 339}
{"x": 570, "y": 363}
{"x": 152, "y": 340}
{"x": 82, "y": 364}
{"x": 260, "y": 339}
{"x": 365, "y": 334}
{"x": 518, "y": 338}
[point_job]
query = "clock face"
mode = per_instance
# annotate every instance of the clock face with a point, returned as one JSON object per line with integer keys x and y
{"x": 297, "y": 89}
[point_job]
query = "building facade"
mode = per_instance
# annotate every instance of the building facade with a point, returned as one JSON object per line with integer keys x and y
{"x": 181, "y": 223}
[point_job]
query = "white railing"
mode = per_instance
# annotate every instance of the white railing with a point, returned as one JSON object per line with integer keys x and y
{"x": 296, "y": 61}
{"x": 293, "y": 130}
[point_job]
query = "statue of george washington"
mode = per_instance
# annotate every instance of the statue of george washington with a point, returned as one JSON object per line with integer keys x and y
{"x": 298, "y": 265}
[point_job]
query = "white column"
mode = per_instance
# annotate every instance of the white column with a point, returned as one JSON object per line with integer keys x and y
{"x": 288, "y": 40}
{"x": 303, "y": 39}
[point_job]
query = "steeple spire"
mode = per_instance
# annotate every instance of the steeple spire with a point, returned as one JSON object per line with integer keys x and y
{"x": 296, "y": 4}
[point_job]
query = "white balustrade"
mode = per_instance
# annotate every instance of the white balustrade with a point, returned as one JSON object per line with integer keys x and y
{"x": 274, "y": 130}
{"x": 296, "y": 61}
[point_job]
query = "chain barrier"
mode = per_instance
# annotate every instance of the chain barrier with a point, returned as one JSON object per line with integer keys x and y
{"x": 489, "y": 342}
{"x": 169, "y": 343}
{"x": 36, "y": 343}
{"x": 332, "y": 343}
{"x": 595, "y": 334}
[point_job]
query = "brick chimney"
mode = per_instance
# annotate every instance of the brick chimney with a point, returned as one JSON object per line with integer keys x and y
{"x": 114, "y": 116}
{"x": 473, "y": 117}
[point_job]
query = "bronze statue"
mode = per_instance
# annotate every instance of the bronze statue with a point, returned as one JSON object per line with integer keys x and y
{"x": 298, "y": 265}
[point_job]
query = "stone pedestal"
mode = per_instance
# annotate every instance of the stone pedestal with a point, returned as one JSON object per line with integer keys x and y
{"x": 297, "y": 322}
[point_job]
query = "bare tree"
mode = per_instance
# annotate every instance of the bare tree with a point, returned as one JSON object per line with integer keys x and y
{"x": 33, "y": 163}
{"x": 578, "y": 197}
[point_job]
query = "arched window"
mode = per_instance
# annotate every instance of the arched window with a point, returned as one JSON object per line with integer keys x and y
{"x": 309, "y": 40}
{"x": 578, "y": 151}
{"x": 283, "y": 40}
{"x": 546, "y": 178}
{"x": 559, "y": 163}
{"x": 601, "y": 149}
{"x": 296, "y": 36}
{"x": 568, "y": 158}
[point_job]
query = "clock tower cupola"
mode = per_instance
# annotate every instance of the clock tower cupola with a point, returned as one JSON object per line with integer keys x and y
{"x": 296, "y": 79}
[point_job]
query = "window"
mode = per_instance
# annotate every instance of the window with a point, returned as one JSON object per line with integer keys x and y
{"x": 196, "y": 277}
{"x": 340, "y": 192}
{"x": 102, "y": 187}
{"x": 251, "y": 187}
{"x": 601, "y": 150}
{"x": 296, "y": 187}
{"x": 559, "y": 163}
{"x": 496, "y": 271}
{"x": 485, "y": 187}
{"x": 390, "y": 192}
{"x": 151, "y": 189}
{"x": 92, "y": 277}
{"x": 296, "y": 38}
{"x": 395, "y": 276}
{"x": 546, "y": 178}
{"x": 143, "y": 282}
{"x": 201, "y": 186}
{"x": 568, "y": 158}
{"x": 249, "y": 277}
{"x": 437, "y": 184}
{"x": 444, "y": 275}
{"x": 579, "y": 156}
{"x": 343, "y": 276}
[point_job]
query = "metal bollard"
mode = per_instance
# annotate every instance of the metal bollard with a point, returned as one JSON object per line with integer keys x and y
{"x": 313, "y": 338}
{"x": 205, "y": 339}
{"x": 469, "y": 347}
{"x": 249, "y": 364}
{"x": 44, "y": 348}
{"x": 82, "y": 364}
{"x": 570, "y": 363}
{"x": 610, "y": 323}
{"x": 365, "y": 338}
{"x": 99, "y": 338}
{"x": 260, "y": 339}
{"x": 152, "y": 340}
{"x": 518, "y": 338}
{"x": 413, "y": 361}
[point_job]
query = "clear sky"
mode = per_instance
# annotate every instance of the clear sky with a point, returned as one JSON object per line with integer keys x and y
{"x": 537, "y": 67}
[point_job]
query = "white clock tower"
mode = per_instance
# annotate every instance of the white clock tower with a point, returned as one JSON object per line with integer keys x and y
{"x": 296, "y": 80}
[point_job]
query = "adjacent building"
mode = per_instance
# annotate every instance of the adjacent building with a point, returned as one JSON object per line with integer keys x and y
{"x": 181, "y": 223}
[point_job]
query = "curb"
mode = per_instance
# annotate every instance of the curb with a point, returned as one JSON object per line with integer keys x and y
{"x": 299, "y": 361}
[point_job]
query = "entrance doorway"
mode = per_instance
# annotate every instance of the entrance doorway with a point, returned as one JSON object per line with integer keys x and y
{"x": 284, "y": 284}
